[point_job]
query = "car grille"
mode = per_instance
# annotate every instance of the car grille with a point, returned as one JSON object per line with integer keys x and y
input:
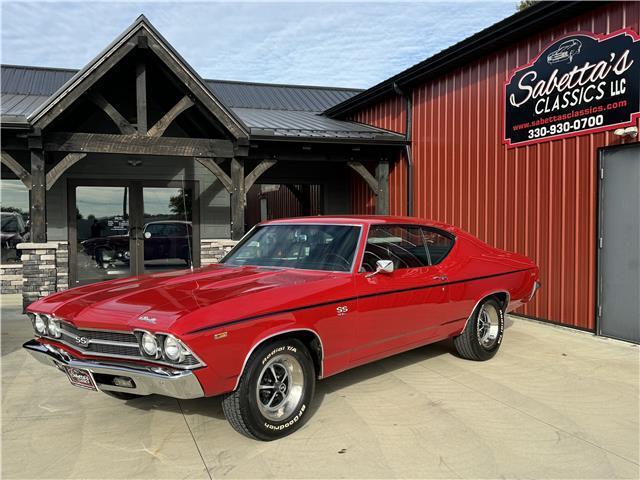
{"x": 109, "y": 344}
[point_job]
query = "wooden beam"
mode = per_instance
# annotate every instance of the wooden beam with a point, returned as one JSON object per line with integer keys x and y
{"x": 296, "y": 193}
{"x": 303, "y": 196}
{"x": 161, "y": 125}
{"x": 141, "y": 98}
{"x": 237, "y": 198}
{"x": 213, "y": 167}
{"x": 382, "y": 177}
{"x": 200, "y": 91}
{"x": 123, "y": 125}
{"x": 64, "y": 164}
{"x": 137, "y": 145}
{"x": 38, "y": 198}
{"x": 82, "y": 84}
{"x": 366, "y": 175}
{"x": 13, "y": 165}
{"x": 262, "y": 167}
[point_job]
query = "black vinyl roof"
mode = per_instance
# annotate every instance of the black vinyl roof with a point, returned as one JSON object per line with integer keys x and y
{"x": 268, "y": 110}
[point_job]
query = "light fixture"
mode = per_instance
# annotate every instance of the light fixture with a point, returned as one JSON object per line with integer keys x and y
{"x": 40, "y": 324}
{"x": 54, "y": 328}
{"x": 173, "y": 349}
{"x": 149, "y": 345}
{"x": 626, "y": 132}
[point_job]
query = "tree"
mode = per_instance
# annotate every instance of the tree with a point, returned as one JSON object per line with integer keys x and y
{"x": 524, "y": 4}
{"x": 181, "y": 204}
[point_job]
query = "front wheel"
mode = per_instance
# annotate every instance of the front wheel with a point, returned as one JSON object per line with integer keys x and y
{"x": 483, "y": 333}
{"x": 273, "y": 395}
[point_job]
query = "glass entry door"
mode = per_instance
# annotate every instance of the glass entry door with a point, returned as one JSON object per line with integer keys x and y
{"x": 168, "y": 230}
{"x": 103, "y": 245}
{"x": 130, "y": 229}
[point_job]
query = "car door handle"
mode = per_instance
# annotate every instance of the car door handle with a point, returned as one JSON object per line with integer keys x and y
{"x": 441, "y": 278}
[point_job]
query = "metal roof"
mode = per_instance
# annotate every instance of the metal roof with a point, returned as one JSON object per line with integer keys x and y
{"x": 532, "y": 19}
{"x": 284, "y": 123}
{"x": 267, "y": 110}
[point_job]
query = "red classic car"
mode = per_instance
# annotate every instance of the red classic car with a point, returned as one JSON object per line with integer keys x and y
{"x": 296, "y": 300}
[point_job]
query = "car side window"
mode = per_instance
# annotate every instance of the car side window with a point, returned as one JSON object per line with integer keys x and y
{"x": 438, "y": 245}
{"x": 404, "y": 245}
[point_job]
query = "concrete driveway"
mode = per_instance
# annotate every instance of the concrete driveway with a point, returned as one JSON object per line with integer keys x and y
{"x": 554, "y": 403}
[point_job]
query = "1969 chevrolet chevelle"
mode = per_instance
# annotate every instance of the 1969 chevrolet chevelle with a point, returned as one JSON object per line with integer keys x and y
{"x": 296, "y": 300}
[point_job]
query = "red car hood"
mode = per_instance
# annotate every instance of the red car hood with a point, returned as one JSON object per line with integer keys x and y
{"x": 217, "y": 293}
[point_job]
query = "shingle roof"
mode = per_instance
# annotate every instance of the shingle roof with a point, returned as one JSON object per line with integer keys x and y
{"x": 267, "y": 110}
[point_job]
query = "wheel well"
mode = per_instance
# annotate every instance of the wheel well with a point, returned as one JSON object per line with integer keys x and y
{"x": 502, "y": 298}
{"x": 310, "y": 340}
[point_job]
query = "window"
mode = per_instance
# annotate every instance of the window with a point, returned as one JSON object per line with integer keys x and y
{"x": 404, "y": 245}
{"x": 308, "y": 247}
{"x": 15, "y": 217}
{"x": 438, "y": 245}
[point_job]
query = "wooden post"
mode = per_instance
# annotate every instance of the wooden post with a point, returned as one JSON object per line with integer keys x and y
{"x": 38, "y": 197}
{"x": 382, "y": 199}
{"x": 141, "y": 98}
{"x": 237, "y": 198}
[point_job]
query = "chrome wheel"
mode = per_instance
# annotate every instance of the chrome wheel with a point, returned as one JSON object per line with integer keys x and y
{"x": 488, "y": 325}
{"x": 280, "y": 387}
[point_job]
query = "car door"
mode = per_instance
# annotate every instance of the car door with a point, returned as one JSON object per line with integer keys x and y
{"x": 400, "y": 309}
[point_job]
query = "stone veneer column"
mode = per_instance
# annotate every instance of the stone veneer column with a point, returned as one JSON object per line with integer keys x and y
{"x": 212, "y": 250}
{"x": 11, "y": 277}
{"x": 45, "y": 269}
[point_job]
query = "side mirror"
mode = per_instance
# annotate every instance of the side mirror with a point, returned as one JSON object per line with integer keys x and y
{"x": 383, "y": 266}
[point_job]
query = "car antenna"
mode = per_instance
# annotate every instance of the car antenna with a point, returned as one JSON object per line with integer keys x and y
{"x": 189, "y": 232}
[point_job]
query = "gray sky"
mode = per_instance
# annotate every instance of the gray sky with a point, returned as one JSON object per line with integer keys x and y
{"x": 335, "y": 43}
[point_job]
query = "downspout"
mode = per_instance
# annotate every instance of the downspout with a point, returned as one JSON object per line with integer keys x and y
{"x": 408, "y": 152}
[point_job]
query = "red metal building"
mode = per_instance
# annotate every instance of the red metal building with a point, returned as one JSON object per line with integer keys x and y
{"x": 538, "y": 199}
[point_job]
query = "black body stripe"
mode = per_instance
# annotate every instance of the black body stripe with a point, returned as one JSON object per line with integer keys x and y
{"x": 348, "y": 299}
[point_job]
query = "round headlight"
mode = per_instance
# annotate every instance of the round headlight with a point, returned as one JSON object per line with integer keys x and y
{"x": 173, "y": 349}
{"x": 40, "y": 324}
{"x": 54, "y": 328}
{"x": 149, "y": 344}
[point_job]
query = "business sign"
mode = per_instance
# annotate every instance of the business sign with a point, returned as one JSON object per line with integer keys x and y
{"x": 581, "y": 83}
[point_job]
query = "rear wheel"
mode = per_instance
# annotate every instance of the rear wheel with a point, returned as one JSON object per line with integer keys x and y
{"x": 482, "y": 336}
{"x": 273, "y": 395}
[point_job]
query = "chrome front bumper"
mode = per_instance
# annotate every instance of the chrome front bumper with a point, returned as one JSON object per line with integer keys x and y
{"x": 174, "y": 383}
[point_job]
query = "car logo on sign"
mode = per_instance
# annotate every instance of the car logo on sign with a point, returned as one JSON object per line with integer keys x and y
{"x": 84, "y": 341}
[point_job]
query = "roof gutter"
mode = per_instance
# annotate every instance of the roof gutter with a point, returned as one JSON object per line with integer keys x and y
{"x": 541, "y": 15}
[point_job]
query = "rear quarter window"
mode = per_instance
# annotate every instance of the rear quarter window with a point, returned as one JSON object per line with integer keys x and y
{"x": 438, "y": 243}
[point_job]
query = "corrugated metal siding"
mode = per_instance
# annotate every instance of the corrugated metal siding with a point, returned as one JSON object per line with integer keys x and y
{"x": 281, "y": 203}
{"x": 539, "y": 200}
{"x": 390, "y": 115}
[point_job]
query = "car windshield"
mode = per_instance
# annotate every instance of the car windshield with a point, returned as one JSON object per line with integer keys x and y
{"x": 308, "y": 247}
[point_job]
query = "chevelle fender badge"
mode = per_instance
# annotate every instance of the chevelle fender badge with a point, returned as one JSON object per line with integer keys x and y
{"x": 342, "y": 310}
{"x": 144, "y": 318}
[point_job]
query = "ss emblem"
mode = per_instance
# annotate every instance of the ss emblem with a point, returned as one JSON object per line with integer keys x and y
{"x": 342, "y": 310}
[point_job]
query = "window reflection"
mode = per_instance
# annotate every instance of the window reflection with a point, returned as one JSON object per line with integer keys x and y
{"x": 14, "y": 201}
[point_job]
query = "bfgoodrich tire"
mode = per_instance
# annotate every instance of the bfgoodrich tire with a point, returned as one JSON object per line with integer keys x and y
{"x": 482, "y": 336}
{"x": 273, "y": 395}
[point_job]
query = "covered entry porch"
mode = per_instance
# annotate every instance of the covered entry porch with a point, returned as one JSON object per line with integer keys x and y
{"x": 138, "y": 122}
